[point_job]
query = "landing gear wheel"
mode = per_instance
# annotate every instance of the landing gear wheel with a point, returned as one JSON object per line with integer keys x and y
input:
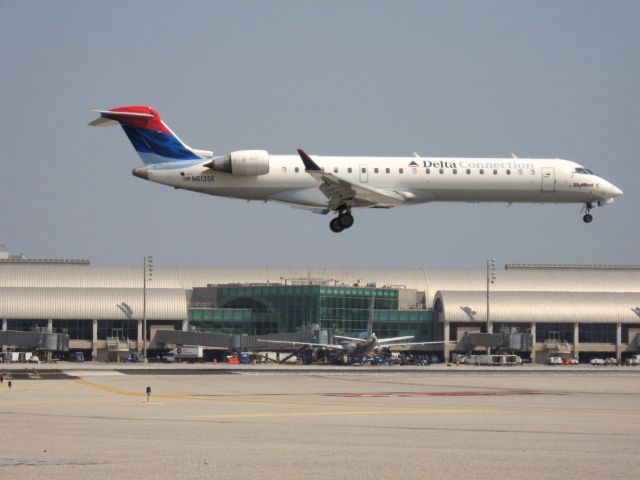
{"x": 335, "y": 225}
{"x": 345, "y": 220}
{"x": 588, "y": 218}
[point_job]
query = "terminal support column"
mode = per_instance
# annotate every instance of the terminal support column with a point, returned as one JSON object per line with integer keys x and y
{"x": 619, "y": 342}
{"x": 576, "y": 342}
{"x": 94, "y": 339}
{"x": 533, "y": 342}
{"x": 4, "y": 329}
{"x": 49, "y": 355}
{"x": 139, "y": 335}
{"x": 445, "y": 337}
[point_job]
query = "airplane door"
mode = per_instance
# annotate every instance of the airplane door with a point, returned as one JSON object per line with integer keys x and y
{"x": 364, "y": 174}
{"x": 548, "y": 179}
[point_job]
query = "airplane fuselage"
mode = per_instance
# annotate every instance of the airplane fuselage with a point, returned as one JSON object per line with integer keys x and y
{"x": 416, "y": 180}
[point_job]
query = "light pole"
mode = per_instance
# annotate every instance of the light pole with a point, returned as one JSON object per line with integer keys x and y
{"x": 148, "y": 276}
{"x": 491, "y": 279}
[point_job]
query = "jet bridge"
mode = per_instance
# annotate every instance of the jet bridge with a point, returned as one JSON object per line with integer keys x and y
{"x": 231, "y": 342}
{"x": 505, "y": 341}
{"x": 36, "y": 340}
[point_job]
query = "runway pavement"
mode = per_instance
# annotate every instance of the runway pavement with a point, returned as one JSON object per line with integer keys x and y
{"x": 277, "y": 423}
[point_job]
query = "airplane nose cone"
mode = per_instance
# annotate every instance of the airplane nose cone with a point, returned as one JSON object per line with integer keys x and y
{"x": 615, "y": 191}
{"x": 142, "y": 172}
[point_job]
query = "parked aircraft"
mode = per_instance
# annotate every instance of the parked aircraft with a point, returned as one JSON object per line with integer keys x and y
{"x": 340, "y": 184}
{"x": 363, "y": 345}
{"x": 355, "y": 347}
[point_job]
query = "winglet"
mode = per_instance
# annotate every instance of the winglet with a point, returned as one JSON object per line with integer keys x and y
{"x": 309, "y": 164}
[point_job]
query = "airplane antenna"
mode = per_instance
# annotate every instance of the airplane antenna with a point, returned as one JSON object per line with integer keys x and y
{"x": 416, "y": 154}
{"x": 513, "y": 155}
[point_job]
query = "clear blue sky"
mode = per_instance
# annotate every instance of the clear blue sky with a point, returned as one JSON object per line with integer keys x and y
{"x": 457, "y": 78}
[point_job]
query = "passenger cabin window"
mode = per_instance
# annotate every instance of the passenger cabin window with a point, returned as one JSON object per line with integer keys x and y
{"x": 508, "y": 172}
{"x": 468, "y": 171}
{"x": 297, "y": 169}
{"x": 441, "y": 171}
{"x": 388, "y": 170}
{"x": 363, "y": 170}
{"x": 349, "y": 169}
{"x": 401, "y": 170}
{"x": 495, "y": 172}
{"x": 335, "y": 169}
{"x": 428, "y": 171}
{"x": 481, "y": 171}
{"x": 375, "y": 170}
{"x": 455, "y": 171}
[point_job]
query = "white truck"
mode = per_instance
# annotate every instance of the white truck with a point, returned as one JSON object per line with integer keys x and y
{"x": 186, "y": 353}
{"x": 493, "y": 360}
{"x": 632, "y": 360}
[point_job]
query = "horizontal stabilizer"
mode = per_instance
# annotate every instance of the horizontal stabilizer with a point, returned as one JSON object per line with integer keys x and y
{"x": 110, "y": 117}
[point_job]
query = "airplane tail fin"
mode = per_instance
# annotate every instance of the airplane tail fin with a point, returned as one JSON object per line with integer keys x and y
{"x": 370, "y": 319}
{"x": 150, "y": 136}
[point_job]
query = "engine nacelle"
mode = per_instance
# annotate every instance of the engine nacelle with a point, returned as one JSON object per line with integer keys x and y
{"x": 243, "y": 163}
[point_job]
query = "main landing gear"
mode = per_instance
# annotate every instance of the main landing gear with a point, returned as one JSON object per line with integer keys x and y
{"x": 588, "y": 218}
{"x": 342, "y": 221}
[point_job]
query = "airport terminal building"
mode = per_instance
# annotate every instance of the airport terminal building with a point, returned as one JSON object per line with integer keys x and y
{"x": 571, "y": 310}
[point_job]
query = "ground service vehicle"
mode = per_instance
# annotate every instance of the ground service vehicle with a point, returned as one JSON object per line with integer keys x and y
{"x": 554, "y": 361}
{"x": 633, "y": 360}
{"x": 186, "y": 353}
{"x": 76, "y": 356}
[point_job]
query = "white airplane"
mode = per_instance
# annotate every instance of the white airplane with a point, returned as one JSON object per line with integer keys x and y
{"x": 363, "y": 345}
{"x": 360, "y": 346}
{"x": 340, "y": 184}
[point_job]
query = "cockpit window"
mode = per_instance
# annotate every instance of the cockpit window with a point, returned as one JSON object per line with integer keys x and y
{"x": 584, "y": 171}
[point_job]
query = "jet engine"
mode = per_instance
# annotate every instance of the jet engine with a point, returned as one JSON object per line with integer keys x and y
{"x": 243, "y": 163}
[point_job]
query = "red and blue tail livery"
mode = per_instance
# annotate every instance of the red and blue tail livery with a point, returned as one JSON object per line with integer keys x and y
{"x": 151, "y": 137}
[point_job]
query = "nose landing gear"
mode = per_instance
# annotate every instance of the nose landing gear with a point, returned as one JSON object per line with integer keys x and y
{"x": 587, "y": 218}
{"x": 342, "y": 221}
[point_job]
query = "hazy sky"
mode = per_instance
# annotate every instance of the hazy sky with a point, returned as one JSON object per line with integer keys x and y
{"x": 456, "y": 78}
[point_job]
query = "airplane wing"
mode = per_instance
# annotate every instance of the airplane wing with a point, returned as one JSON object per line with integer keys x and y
{"x": 342, "y": 191}
{"x": 351, "y": 339}
{"x": 304, "y": 344}
{"x": 393, "y": 339}
{"x": 413, "y": 344}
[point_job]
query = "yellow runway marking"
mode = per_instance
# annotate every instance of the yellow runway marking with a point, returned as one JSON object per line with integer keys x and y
{"x": 372, "y": 409}
{"x": 107, "y": 388}
{"x": 224, "y": 399}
